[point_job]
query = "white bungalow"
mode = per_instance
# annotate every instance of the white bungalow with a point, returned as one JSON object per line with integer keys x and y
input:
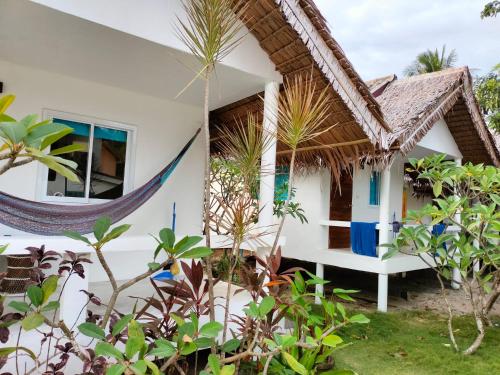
{"x": 112, "y": 70}
{"x": 430, "y": 113}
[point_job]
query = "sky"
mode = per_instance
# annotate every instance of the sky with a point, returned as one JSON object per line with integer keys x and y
{"x": 382, "y": 37}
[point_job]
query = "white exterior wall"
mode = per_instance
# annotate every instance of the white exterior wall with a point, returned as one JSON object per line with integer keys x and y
{"x": 313, "y": 193}
{"x": 361, "y": 209}
{"x": 163, "y": 127}
{"x": 440, "y": 140}
{"x": 156, "y": 20}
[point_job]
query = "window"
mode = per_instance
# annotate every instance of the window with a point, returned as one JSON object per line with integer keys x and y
{"x": 375, "y": 189}
{"x": 281, "y": 183}
{"x": 103, "y": 168}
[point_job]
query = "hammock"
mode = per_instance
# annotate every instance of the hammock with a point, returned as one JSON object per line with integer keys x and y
{"x": 53, "y": 219}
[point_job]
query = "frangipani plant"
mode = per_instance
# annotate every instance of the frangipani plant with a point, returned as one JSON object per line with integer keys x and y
{"x": 26, "y": 140}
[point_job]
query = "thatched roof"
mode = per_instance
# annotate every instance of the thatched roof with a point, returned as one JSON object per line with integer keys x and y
{"x": 412, "y": 105}
{"x": 297, "y": 39}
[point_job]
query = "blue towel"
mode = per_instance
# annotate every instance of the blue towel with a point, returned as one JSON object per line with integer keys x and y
{"x": 437, "y": 230}
{"x": 165, "y": 275}
{"x": 364, "y": 238}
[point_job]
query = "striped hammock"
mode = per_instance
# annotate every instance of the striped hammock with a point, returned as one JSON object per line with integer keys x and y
{"x": 53, "y": 219}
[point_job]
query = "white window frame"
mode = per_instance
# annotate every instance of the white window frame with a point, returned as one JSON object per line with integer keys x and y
{"x": 42, "y": 180}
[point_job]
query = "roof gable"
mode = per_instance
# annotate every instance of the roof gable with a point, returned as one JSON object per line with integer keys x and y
{"x": 411, "y": 106}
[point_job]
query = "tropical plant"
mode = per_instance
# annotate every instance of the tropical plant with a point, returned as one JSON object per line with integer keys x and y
{"x": 491, "y": 9}
{"x": 431, "y": 61}
{"x": 210, "y": 32}
{"x": 466, "y": 200}
{"x": 26, "y": 140}
{"x": 487, "y": 90}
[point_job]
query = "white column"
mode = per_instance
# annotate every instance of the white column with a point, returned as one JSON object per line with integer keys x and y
{"x": 320, "y": 272}
{"x": 383, "y": 291}
{"x": 72, "y": 309}
{"x": 456, "y": 276}
{"x": 268, "y": 161}
{"x": 384, "y": 234}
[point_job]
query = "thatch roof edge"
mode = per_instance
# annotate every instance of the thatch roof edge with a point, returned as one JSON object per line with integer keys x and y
{"x": 323, "y": 56}
{"x": 463, "y": 88}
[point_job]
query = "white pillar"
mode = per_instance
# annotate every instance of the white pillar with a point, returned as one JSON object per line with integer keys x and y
{"x": 456, "y": 279}
{"x": 383, "y": 291}
{"x": 268, "y": 161}
{"x": 72, "y": 309}
{"x": 320, "y": 272}
{"x": 384, "y": 234}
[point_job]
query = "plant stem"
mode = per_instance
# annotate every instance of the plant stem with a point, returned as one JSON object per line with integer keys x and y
{"x": 233, "y": 262}
{"x": 450, "y": 313}
{"x": 206, "y": 126}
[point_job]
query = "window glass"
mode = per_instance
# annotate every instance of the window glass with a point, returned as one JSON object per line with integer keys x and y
{"x": 375, "y": 188}
{"x": 109, "y": 151}
{"x": 59, "y": 186}
{"x": 106, "y": 176}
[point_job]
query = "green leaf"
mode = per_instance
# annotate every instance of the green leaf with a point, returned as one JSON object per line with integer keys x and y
{"x": 188, "y": 348}
{"x": 92, "y": 330}
{"x": 101, "y": 226}
{"x": 135, "y": 339}
{"x": 228, "y": 370}
{"x": 213, "y": 362}
{"x": 196, "y": 252}
{"x": 49, "y": 286}
{"x": 19, "y": 306}
{"x": 76, "y": 236}
{"x": 266, "y": 305}
{"x": 13, "y": 131}
{"x": 116, "y": 232}
{"x": 153, "y": 266}
{"x": 3, "y": 248}
{"x": 294, "y": 364}
{"x": 4, "y": 352}
{"x": 52, "y": 305}
{"x": 203, "y": 342}
{"x": 139, "y": 368}
{"x": 121, "y": 324}
{"x": 32, "y": 320}
{"x": 231, "y": 345}
{"x": 154, "y": 369}
{"x": 117, "y": 369}
{"x": 332, "y": 341}
{"x": 164, "y": 349}
{"x": 186, "y": 243}
{"x": 437, "y": 188}
{"x": 107, "y": 350}
{"x": 35, "y": 294}
{"x": 359, "y": 319}
{"x": 62, "y": 170}
{"x": 167, "y": 236}
{"x": 211, "y": 329}
{"x": 76, "y": 147}
{"x": 5, "y": 102}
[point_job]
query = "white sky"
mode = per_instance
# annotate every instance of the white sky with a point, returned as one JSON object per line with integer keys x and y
{"x": 381, "y": 37}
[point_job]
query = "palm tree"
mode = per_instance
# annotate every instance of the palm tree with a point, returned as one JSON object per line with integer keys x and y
{"x": 431, "y": 61}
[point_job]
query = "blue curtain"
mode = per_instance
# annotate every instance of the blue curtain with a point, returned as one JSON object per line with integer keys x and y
{"x": 375, "y": 189}
{"x": 83, "y": 129}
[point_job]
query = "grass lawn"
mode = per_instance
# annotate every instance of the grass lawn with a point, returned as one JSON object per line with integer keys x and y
{"x": 416, "y": 342}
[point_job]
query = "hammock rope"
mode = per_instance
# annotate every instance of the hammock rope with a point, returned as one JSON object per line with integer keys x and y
{"x": 53, "y": 219}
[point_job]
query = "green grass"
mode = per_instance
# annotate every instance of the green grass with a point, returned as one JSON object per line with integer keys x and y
{"x": 416, "y": 343}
